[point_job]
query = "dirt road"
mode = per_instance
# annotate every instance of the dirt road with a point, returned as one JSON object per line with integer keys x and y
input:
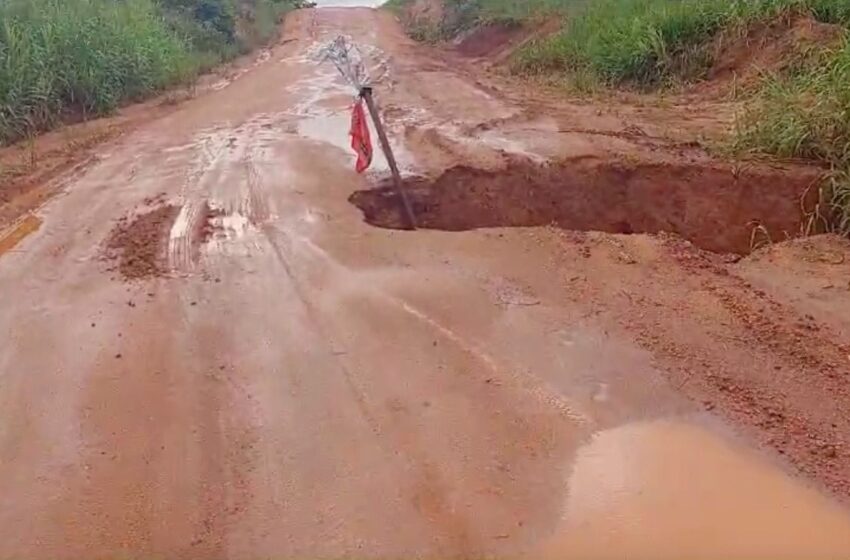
{"x": 208, "y": 353}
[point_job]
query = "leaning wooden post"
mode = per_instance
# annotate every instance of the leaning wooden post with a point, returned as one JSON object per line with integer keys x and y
{"x": 407, "y": 209}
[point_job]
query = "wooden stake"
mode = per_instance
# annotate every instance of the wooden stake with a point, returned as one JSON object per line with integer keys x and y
{"x": 407, "y": 209}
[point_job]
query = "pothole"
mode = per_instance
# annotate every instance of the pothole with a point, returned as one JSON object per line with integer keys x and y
{"x": 717, "y": 207}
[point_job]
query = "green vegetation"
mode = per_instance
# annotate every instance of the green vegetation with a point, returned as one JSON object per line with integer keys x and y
{"x": 460, "y": 15}
{"x": 646, "y": 43}
{"x": 801, "y": 110}
{"x": 806, "y": 113}
{"x": 73, "y": 58}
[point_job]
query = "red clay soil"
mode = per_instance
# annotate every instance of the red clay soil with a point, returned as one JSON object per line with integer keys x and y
{"x": 348, "y": 391}
{"x": 714, "y": 205}
{"x": 30, "y": 171}
{"x": 743, "y": 55}
{"x": 497, "y": 42}
{"x": 489, "y": 40}
{"x": 27, "y": 170}
{"x": 740, "y": 343}
{"x": 138, "y": 244}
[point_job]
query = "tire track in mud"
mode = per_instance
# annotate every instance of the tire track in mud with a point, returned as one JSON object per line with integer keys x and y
{"x": 223, "y": 195}
{"x": 283, "y": 243}
{"x": 428, "y": 493}
{"x": 438, "y": 500}
{"x": 225, "y": 192}
{"x": 141, "y": 498}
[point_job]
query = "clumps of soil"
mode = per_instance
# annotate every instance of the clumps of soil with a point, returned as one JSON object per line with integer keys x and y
{"x": 139, "y": 243}
{"x": 715, "y": 206}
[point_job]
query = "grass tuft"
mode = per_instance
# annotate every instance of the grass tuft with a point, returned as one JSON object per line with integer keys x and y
{"x": 806, "y": 114}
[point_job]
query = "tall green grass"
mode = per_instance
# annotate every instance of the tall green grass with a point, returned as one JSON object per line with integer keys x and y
{"x": 461, "y": 15}
{"x": 802, "y": 111}
{"x": 74, "y": 58}
{"x": 642, "y": 43}
{"x": 82, "y": 56}
{"x": 261, "y": 19}
{"x": 207, "y": 29}
{"x": 646, "y": 43}
{"x": 806, "y": 114}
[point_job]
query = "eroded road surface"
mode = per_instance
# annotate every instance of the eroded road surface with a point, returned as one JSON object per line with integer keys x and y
{"x": 208, "y": 353}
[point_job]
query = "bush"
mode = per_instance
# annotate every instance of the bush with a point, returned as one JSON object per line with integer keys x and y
{"x": 261, "y": 20}
{"x": 206, "y": 25}
{"x": 82, "y": 56}
{"x": 802, "y": 112}
{"x": 806, "y": 114}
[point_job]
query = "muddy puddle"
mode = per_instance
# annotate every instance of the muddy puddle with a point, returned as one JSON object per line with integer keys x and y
{"x": 668, "y": 490}
{"x": 332, "y": 129}
{"x": 718, "y": 207}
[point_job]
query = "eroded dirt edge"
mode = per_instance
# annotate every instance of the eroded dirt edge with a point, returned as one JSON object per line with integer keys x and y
{"x": 716, "y": 206}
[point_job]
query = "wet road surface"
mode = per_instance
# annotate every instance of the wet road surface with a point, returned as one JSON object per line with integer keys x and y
{"x": 300, "y": 384}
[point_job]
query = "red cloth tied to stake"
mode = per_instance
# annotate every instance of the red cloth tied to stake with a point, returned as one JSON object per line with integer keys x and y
{"x": 361, "y": 142}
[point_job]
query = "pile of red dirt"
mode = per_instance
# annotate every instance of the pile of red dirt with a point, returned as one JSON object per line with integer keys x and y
{"x": 138, "y": 243}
